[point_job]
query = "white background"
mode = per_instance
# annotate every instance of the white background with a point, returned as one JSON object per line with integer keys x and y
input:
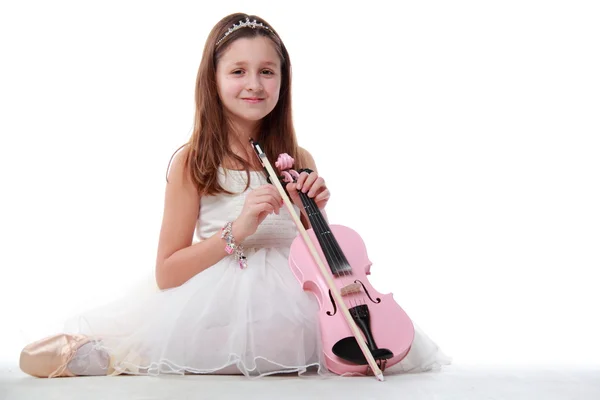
{"x": 459, "y": 139}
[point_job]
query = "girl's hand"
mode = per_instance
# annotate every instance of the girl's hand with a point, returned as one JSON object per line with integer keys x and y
{"x": 259, "y": 203}
{"x": 313, "y": 185}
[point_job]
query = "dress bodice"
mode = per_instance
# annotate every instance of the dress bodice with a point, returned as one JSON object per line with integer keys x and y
{"x": 215, "y": 211}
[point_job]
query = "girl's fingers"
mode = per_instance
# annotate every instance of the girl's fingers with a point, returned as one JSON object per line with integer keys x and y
{"x": 317, "y": 186}
{"x": 275, "y": 202}
{"x": 309, "y": 181}
{"x": 324, "y": 195}
{"x": 264, "y": 208}
{"x": 291, "y": 188}
{"x": 301, "y": 180}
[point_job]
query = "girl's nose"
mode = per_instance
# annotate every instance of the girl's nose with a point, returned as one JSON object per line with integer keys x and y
{"x": 254, "y": 84}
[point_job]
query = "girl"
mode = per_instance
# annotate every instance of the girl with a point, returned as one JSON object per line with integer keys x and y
{"x": 228, "y": 302}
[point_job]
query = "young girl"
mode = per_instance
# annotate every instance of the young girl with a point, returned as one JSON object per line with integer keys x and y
{"x": 219, "y": 311}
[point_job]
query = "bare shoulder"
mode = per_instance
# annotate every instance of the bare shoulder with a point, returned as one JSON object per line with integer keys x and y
{"x": 308, "y": 159}
{"x": 178, "y": 174}
{"x": 181, "y": 209}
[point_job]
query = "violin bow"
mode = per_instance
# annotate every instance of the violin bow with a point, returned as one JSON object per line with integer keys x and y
{"x": 336, "y": 295}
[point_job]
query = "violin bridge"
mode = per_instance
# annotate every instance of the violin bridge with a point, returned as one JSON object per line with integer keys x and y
{"x": 351, "y": 288}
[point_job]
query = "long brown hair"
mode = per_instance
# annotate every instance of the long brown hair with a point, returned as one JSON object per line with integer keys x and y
{"x": 208, "y": 145}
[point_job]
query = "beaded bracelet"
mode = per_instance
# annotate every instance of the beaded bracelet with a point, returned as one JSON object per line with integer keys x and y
{"x": 231, "y": 247}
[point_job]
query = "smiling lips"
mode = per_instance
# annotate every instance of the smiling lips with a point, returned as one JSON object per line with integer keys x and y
{"x": 252, "y": 100}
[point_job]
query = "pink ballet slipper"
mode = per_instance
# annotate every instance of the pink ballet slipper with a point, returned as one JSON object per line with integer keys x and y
{"x": 49, "y": 357}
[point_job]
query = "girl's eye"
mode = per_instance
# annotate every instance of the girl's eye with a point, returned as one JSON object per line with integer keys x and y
{"x": 264, "y": 71}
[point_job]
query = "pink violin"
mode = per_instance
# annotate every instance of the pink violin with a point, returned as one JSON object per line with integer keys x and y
{"x": 362, "y": 330}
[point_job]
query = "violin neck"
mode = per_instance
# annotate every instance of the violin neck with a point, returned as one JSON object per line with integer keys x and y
{"x": 331, "y": 249}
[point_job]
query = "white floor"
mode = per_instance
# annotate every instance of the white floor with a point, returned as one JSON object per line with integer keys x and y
{"x": 454, "y": 382}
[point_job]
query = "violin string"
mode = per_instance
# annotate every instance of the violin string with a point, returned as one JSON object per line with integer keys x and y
{"x": 330, "y": 249}
{"x": 346, "y": 277}
{"x": 319, "y": 228}
{"x": 336, "y": 253}
{"x": 355, "y": 298}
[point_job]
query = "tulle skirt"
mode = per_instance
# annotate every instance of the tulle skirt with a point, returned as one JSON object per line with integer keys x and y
{"x": 257, "y": 321}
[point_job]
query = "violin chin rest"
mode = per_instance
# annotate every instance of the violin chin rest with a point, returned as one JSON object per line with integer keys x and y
{"x": 348, "y": 349}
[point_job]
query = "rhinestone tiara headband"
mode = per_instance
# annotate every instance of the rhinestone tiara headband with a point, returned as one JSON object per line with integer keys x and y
{"x": 244, "y": 24}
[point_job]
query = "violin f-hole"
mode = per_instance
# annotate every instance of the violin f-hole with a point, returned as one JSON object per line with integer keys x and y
{"x": 333, "y": 304}
{"x": 367, "y": 292}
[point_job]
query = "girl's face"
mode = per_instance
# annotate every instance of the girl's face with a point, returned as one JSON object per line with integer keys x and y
{"x": 248, "y": 80}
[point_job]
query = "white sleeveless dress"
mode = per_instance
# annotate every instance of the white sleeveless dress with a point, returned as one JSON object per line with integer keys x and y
{"x": 225, "y": 320}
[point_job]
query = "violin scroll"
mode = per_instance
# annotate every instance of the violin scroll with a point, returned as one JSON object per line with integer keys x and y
{"x": 284, "y": 163}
